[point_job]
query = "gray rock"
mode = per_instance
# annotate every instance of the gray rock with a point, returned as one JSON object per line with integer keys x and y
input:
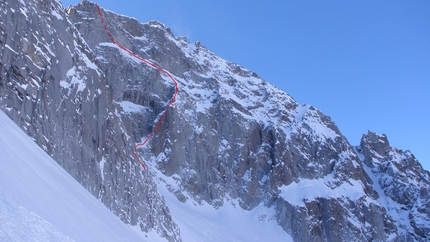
{"x": 403, "y": 181}
{"x": 52, "y": 86}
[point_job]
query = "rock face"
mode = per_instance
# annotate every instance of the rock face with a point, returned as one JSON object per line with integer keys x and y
{"x": 229, "y": 136}
{"x": 403, "y": 185}
{"x": 53, "y": 85}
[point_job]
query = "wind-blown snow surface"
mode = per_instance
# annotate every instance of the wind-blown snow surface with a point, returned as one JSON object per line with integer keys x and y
{"x": 39, "y": 201}
{"x": 297, "y": 193}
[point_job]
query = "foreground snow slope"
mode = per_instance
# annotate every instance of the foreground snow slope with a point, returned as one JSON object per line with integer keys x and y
{"x": 39, "y": 201}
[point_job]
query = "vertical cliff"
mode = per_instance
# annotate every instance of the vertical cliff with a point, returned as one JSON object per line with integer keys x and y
{"x": 53, "y": 87}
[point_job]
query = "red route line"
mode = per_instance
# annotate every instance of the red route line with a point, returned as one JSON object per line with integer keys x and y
{"x": 154, "y": 66}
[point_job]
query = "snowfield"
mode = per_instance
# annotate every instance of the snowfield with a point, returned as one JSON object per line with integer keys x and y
{"x": 201, "y": 222}
{"x": 39, "y": 201}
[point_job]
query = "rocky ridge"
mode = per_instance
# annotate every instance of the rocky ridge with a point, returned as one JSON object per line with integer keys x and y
{"x": 231, "y": 137}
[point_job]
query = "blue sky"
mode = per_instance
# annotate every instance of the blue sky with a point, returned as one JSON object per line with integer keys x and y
{"x": 366, "y": 64}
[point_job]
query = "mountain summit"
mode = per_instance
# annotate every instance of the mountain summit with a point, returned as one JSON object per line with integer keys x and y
{"x": 230, "y": 140}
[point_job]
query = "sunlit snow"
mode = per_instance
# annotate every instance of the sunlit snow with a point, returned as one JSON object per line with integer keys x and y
{"x": 39, "y": 201}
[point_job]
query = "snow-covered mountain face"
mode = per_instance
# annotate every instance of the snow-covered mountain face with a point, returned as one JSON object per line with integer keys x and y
{"x": 402, "y": 183}
{"x": 230, "y": 138}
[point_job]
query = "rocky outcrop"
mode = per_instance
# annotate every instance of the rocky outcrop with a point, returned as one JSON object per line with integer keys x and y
{"x": 403, "y": 183}
{"x": 53, "y": 87}
{"x": 229, "y": 136}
